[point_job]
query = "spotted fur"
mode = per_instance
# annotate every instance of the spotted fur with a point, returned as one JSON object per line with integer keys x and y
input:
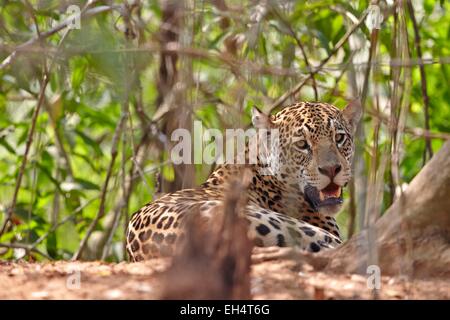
{"x": 313, "y": 137}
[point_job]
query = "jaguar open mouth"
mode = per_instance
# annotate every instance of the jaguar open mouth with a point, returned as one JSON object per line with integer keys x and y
{"x": 331, "y": 195}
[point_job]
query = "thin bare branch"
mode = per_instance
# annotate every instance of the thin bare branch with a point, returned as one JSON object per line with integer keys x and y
{"x": 60, "y": 223}
{"x": 11, "y": 208}
{"x": 336, "y": 48}
{"x": 26, "y": 247}
{"x": 101, "y": 210}
{"x": 423, "y": 80}
{"x": 44, "y": 83}
{"x": 43, "y": 35}
{"x": 361, "y": 177}
{"x": 418, "y": 132}
{"x": 302, "y": 50}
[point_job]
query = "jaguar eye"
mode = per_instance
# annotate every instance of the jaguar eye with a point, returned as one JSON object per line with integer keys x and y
{"x": 339, "y": 138}
{"x": 302, "y": 144}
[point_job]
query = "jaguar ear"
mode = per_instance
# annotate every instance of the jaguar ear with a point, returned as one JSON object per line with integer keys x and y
{"x": 260, "y": 120}
{"x": 352, "y": 113}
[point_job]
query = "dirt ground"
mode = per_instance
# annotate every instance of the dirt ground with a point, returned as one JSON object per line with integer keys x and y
{"x": 274, "y": 279}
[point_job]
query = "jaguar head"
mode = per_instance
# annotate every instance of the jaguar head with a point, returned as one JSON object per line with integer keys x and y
{"x": 314, "y": 149}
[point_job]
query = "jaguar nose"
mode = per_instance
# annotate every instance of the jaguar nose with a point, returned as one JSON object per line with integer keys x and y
{"x": 330, "y": 171}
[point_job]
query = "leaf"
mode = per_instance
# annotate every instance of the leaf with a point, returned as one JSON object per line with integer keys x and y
{"x": 51, "y": 245}
{"x": 87, "y": 185}
{"x": 7, "y": 146}
{"x": 79, "y": 67}
{"x": 47, "y": 173}
{"x": 89, "y": 141}
{"x": 168, "y": 172}
{"x": 78, "y": 184}
{"x": 67, "y": 237}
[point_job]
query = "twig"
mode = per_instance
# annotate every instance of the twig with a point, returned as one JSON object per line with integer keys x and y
{"x": 101, "y": 210}
{"x": 338, "y": 45}
{"x": 361, "y": 179}
{"x": 32, "y": 246}
{"x": 394, "y": 75}
{"x": 41, "y": 98}
{"x": 302, "y": 50}
{"x": 33, "y": 16}
{"x": 60, "y": 223}
{"x": 423, "y": 78}
{"x": 126, "y": 190}
{"x": 351, "y": 209}
{"x": 24, "y": 46}
{"x": 418, "y": 132}
{"x": 368, "y": 205}
{"x": 26, "y": 247}
{"x": 372, "y": 52}
{"x": 236, "y": 64}
{"x": 351, "y": 188}
{"x": 10, "y": 210}
{"x": 123, "y": 202}
{"x": 402, "y": 103}
{"x": 335, "y": 89}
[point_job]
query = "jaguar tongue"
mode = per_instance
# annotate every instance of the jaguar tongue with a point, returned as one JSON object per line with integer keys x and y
{"x": 329, "y": 196}
{"x": 330, "y": 191}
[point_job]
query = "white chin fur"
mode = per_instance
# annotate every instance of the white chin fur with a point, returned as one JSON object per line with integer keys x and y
{"x": 330, "y": 210}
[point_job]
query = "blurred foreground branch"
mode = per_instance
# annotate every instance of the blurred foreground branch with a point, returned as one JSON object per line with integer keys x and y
{"x": 214, "y": 260}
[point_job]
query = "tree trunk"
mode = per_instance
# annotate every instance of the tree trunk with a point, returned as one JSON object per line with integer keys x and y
{"x": 172, "y": 102}
{"x": 413, "y": 236}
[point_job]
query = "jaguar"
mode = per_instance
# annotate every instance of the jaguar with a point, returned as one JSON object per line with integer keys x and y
{"x": 294, "y": 192}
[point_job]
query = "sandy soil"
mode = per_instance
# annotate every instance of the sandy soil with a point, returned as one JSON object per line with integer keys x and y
{"x": 275, "y": 279}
